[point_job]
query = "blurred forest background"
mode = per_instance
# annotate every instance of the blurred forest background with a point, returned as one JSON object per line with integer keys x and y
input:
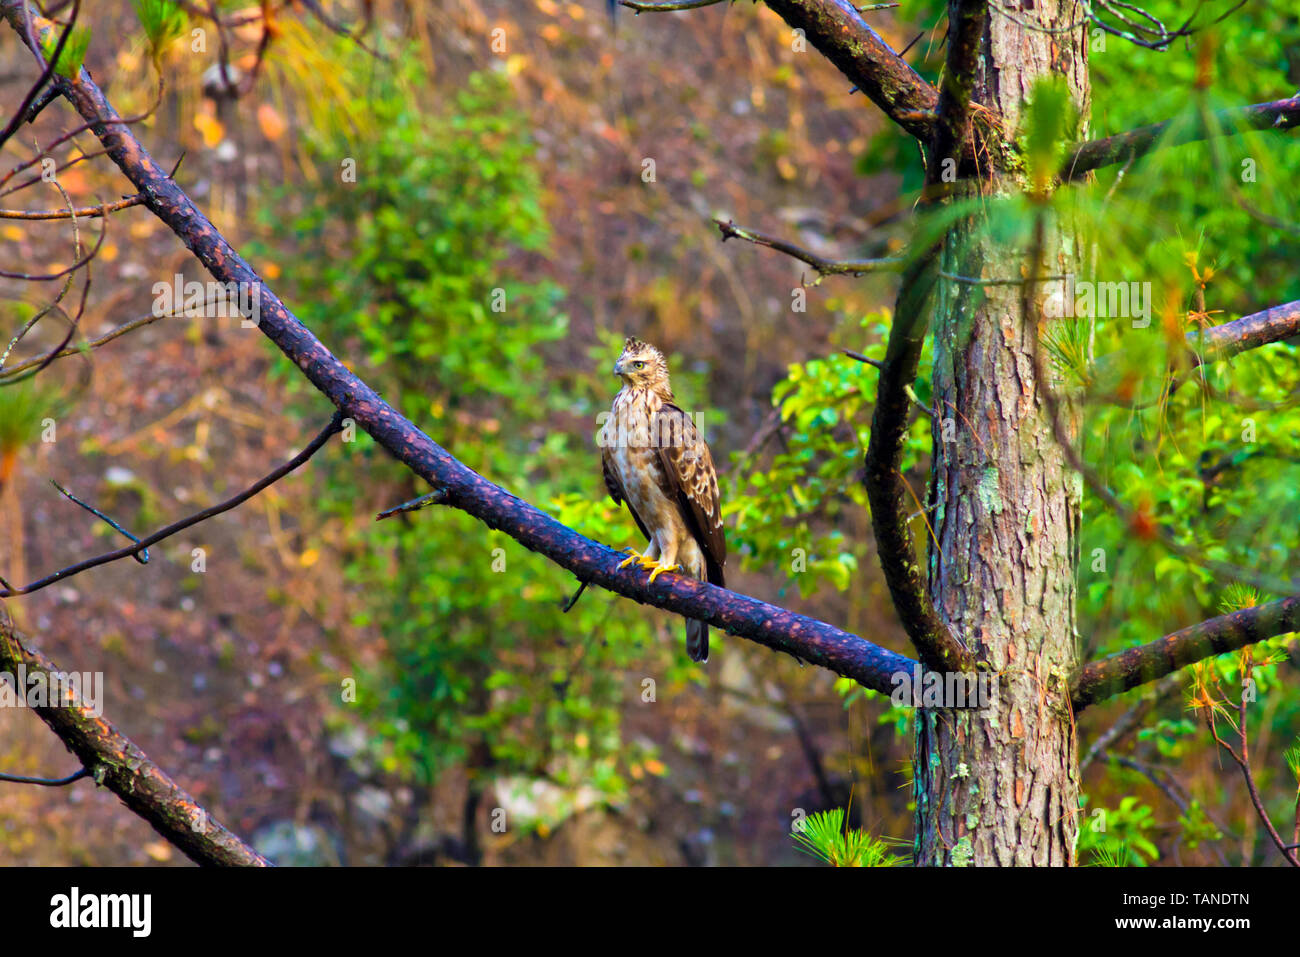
{"x": 522, "y": 170}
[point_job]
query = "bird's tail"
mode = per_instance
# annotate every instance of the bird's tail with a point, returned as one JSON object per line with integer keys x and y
{"x": 697, "y": 640}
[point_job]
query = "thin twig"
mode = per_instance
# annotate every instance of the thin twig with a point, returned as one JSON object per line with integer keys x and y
{"x": 335, "y": 425}
{"x": 437, "y": 497}
{"x": 141, "y": 557}
{"x": 666, "y": 6}
{"x": 568, "y": 605}
{"x": 45, "y": 782}
{"x": 824, "y": 267}
{"x": 84, "y": 212}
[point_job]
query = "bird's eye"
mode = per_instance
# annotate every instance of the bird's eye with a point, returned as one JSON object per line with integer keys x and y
{"x": 638, "y": 365}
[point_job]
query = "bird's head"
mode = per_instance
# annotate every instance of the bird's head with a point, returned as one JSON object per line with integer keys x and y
{"x": 642, "y": 366}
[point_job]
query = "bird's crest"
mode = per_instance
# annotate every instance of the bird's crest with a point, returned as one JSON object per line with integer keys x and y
{"x": 634, "y": 346}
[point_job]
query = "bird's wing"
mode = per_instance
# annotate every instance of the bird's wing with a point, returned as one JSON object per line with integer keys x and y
{"x": 692, "y": 482}
{"x": 615, "y": 487}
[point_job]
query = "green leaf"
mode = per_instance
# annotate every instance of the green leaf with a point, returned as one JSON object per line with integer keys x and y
{"x": 73, "y": 54}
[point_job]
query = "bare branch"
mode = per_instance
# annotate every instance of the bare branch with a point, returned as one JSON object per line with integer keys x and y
{"x": 886, "y": 488}
{"x": 1085, "y": 157}
{"x": 9, "y": 374}
{"x": 142, "y": 556}
{"x": 838, "y": 31}
{"x": 45, "y": 782}
{"x": 1117, "y": 673}
{"x": 824, "y": 267}
{"x": 966, "y": 19}
{"x": 877, "y": 364}
{"x": 47, "y": 277}
{"x": 1249, "y": 332}
{"x": 83, "y": 212}
{"x": 436, "y": 497}
{"x": 859, "y": 357}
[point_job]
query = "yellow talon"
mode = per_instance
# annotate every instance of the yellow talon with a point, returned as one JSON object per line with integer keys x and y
{"x": 660, "y": 569}
{"x": 634, "y": 557}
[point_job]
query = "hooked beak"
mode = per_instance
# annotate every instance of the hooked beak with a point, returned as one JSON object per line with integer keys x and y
{"x": 618, "y": 367}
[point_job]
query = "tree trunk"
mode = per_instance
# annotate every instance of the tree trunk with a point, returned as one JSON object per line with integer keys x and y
{"x": 1000, "y": 786}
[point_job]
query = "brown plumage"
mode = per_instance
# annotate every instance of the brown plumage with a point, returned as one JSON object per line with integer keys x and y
{"x": 655, "y": 460}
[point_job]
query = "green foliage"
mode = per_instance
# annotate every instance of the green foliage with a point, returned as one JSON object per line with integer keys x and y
{"x": 1172, "y": 738}
{"x": 1050, "y": 124}
{"x": 893, "y": 151}
{"x": 1238, "y": 596}
{"x": 23, "y": 406}
{"x": 1292, "y": 756}
{"x": 1119, "y": 837}
{"x": 435, "y": 214}
{"x": 73, "y": 54}
{"x": 164, "y": 22}
{"x": 1134, "y": 86}
{"x": 791, "y": 514}
{"x": 1066, "y": 344}
{"x": 897, "y": 716}
{"x": 1197, "y": 828}
{"x": 826, "y": 836}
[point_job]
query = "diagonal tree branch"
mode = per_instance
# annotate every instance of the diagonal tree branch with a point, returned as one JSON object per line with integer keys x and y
{"x": 1224, "y": 341}
{"x": 837, "y": 30}
{"x": 1228, "y": 339}
{"x": 966, "y": 20}
{"x": 1117, "y": 673}
{"x": 806, "y": 638}
{"x": 1094, "y": 154}
{"x": 117, "y": 764}
{"x": 887, "y": 490}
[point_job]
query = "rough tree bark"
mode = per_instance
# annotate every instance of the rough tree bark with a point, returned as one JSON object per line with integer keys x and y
{"x": 1000, "y": 786}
